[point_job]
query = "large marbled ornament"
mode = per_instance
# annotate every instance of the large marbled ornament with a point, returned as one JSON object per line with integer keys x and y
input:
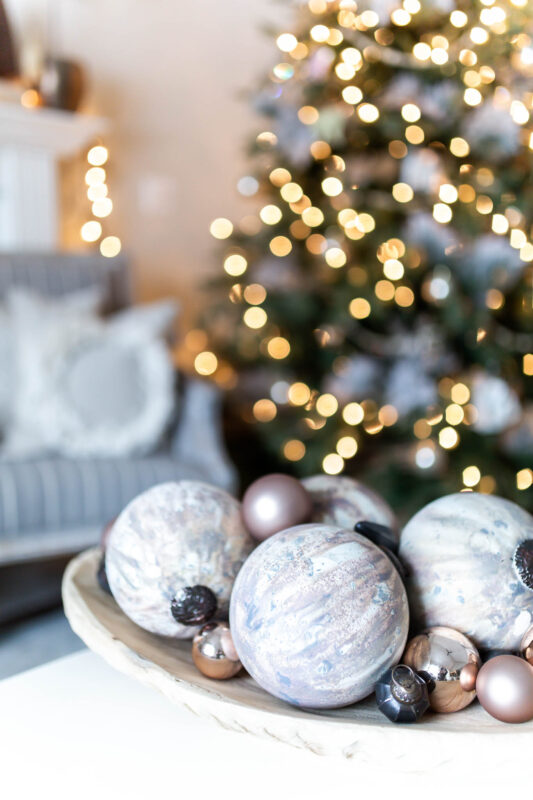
{"x": 339, "y": 500}
{"x": 469, "y": 559}
{"x": 170, "y": 537}
{"x": 317, "y": 614}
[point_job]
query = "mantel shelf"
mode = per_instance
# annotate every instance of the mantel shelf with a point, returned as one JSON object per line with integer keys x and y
{"x": 59, "y": 133}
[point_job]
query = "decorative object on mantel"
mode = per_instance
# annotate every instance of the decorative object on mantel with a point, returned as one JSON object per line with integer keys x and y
{"x": 8, "y": 59}
{"x": 62, "y": 84}
{"x": 357, "y": 732}
{"x": 213, "y": 652}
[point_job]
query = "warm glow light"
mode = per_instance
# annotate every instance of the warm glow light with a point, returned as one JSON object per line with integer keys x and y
{"x": 404, "y": 296}
{"x": 299, "y": 394}
{"x": 102, "y": 208}
{"x": 332, "y": 464}
{"x": 270, "y": 214}
{"x": 313, "y": 216}
{"x": 97, "y": 156}
{"x": 91, "y": 231}
{"x": 458, "y": 19}
{"x": 291, "y": 192}
{"x": 221, "y": 228}
{"x": 410, "y": 112}
{"x": 278, "y": 347}
{"x": 235, "y": 264}
{"x": 332, "y": 186}
{"x": 352, "y": 95}
{"x": 422, "y": 51}
{"x": 264, "y": 410}
{"x": 448, "y": 193}
{"x": 460, "y": 393}
{"x": 524, "y": 479}
{"x": 294, "y": 450}
{"x": 110, "y": 246}
{"x": 527, "y": 364}
{"x": 255, "y": 317}
{"x": 94, "y": 176}
{"x": 500, "y": 224}
{"x": 442, "y": 213}
{"x": 280, "y": 246}
{"x": 327, "y": 405}
{"x": 308, "y": 115}
{"x": 346, "y": 447}
{"x": 335, "y": 257}
{"x": 280, "y": 176}
{"x": 471, "y": 476}
{"x": 402, "y": 192}
{"x": 353, "y": 414}
{"x": 320, "y": 33}
{"x": 205, "y": 363}
{"x": 459, "y": 147}
{"x": 448, "y": 438}
{"x": 30, "y": 98}
{"x": 368, "y": 112}
{"x": 393, "y": 269}
{"x": 454, "y": 414}
{"x": 286, "y": 42}
{"x": 360, "y": 308}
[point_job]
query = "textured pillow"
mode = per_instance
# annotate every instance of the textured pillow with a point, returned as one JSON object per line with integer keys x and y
{"x": 38, "y": 327}
{"x": 105, "y": 388}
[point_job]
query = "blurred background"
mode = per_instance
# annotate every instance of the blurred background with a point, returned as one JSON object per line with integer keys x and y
{"x": 255, "y": 237}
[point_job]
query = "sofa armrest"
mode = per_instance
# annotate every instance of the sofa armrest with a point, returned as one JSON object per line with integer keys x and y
{"x": 198, "y": 440}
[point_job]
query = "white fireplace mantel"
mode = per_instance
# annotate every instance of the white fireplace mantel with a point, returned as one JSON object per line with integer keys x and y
{"x": 32, "y": 142}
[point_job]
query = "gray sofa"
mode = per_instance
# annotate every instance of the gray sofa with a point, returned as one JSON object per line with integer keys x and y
{"x": 51, "y": 508}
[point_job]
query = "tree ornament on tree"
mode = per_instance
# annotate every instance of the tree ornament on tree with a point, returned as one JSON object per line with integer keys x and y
{"x": 394, "y": 185}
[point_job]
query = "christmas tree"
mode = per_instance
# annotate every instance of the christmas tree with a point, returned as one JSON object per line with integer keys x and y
{"x": 376, "y": 311}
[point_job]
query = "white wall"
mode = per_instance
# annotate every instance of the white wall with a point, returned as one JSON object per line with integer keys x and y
{"x": 168, "y": 74}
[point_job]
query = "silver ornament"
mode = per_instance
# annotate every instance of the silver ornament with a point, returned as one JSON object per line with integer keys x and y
{"x": 213, "y": 652}
{"x": 449, "y": 663}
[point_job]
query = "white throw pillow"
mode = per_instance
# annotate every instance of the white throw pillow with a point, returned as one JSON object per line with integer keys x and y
{"x": 105, "y": 388}
{"x": 39, "y": 326}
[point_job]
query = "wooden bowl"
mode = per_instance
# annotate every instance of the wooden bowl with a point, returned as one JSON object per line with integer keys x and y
{"x": 357, "y": 732}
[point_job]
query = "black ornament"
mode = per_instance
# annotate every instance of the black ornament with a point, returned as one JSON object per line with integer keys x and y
{"x": 381, "y": 535}
{"x": 101, "y": 576}
{"x": 402, "y": 695}
{"x": 194, "y": 605}
{"x": 523, "y": 561}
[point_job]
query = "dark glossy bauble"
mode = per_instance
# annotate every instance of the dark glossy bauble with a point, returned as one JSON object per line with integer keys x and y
{"x": 101, "y": 576}
{"x": 213, "y": 652}
{"x": 273, "y": 503}
{"x": 194, "y": 605}
{"x": 505, "y": 688}
{"x": 402, "y": 695}
{"x": 382, "y": 535}
{"x": 449, "y": 663}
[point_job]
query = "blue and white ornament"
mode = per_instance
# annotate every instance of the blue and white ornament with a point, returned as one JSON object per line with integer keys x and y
{"x": 317, "y": 614}
{"x": 470, "y": 565}
{"x": 173, "y": 536}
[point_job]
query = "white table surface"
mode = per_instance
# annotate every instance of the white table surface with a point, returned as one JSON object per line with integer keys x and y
{"x": 75, "y": 728}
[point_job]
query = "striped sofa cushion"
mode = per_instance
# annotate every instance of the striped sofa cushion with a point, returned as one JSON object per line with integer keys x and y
{"x": 58, "y": 274}
{"x": 64, "y": 497}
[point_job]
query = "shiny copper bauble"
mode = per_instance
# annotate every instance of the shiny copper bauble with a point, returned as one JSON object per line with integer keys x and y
{"x": 526, "y": 646}
{"x": 213, "y": 652}
{"x": 449, "y": 663}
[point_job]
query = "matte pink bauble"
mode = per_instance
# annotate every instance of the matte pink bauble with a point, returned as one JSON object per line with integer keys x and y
{"x": 274, "y": 503}
{"x": 505, "y": 688}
